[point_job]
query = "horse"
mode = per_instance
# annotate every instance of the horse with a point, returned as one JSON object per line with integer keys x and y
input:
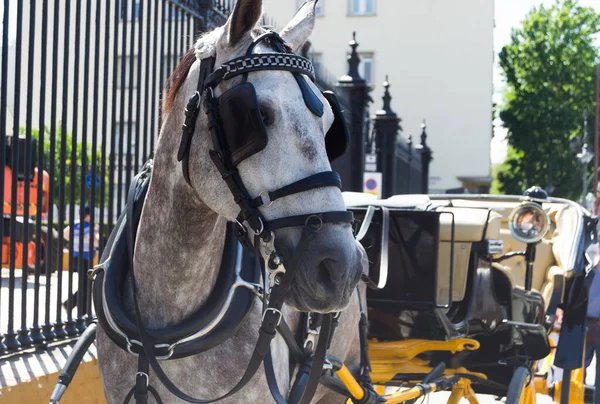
{"x": 180, "y": 240}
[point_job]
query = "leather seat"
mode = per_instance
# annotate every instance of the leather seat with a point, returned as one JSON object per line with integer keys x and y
{"x": 544, "y": 259}
{"x": 470, "y": 225}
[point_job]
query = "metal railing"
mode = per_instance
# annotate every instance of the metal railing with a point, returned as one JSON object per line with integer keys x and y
{"x": 80, "y": 100}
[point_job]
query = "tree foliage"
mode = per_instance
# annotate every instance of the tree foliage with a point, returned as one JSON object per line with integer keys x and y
{"x": 549, "y": 67}
{"x": 80, "y": 158}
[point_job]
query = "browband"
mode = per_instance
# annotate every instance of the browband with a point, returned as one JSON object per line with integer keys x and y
{"x": 263, "y": 61}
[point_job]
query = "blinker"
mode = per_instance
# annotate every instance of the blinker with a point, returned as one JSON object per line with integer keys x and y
{"x": 243, "y": 127}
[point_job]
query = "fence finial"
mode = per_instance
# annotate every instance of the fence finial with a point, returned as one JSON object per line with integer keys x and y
{"x": 387, "y": 97}
{"x": 354, "y": 60}
{"x": 426, "y": 158}
{"x": 424, "y": 134}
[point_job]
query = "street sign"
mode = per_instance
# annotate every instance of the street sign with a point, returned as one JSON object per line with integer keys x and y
{"x": 88, "y": 181}
{"x": 371, "y": 162}
{"x": 372, "y": 183}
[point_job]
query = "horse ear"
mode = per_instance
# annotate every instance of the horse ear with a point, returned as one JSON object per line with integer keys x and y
{"x": 243, "y": 19}
{"x": 298, "y": 30}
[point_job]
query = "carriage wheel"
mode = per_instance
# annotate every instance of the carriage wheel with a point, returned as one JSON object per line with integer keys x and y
{"x": 521, "y": 389}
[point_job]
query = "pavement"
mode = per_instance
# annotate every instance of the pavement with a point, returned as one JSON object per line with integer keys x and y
{"x": 55, "y": 305}
{"x": 56, "y": 302}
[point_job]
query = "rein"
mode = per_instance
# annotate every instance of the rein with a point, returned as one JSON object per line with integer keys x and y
{"x": 280, "y": 276}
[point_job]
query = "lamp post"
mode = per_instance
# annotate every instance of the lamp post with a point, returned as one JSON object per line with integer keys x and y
{"x": 585, "y": 157}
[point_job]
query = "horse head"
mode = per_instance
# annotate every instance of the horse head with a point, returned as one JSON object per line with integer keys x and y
{"x": 292, "y": 141}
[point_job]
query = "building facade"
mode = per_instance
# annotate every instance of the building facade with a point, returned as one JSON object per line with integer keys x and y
{"x": 439, "y": 57}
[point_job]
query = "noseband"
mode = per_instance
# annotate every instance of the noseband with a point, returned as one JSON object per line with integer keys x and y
{"x": 233, "y": 142}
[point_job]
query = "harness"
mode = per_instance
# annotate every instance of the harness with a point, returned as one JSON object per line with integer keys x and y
{"x": 238, "y": 131}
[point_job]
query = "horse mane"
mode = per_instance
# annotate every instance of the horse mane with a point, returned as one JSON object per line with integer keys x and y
{"x": 177, "y": 78}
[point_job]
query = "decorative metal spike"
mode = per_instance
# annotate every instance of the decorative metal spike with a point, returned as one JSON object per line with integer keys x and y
{"x": 387, "y": 97}
{"x": 424, "y": 134}
{"x": 354, "y": 59}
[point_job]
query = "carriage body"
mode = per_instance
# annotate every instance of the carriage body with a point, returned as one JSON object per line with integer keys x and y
{"x": 448, "y": 283}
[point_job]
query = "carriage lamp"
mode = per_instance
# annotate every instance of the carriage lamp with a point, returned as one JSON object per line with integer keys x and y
{"x": 529, "y": 222}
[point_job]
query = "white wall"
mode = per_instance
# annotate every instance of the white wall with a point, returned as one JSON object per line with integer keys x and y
{"x": 439, "y": 57}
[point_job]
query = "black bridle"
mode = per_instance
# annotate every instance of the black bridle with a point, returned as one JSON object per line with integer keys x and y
{"x": 280, "y": 279}
{"x": 221, "y": 156}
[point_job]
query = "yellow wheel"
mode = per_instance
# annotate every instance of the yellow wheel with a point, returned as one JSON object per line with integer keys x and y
{"x": 521, "y": 389}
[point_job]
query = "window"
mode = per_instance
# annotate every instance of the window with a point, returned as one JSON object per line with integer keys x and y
{"x": 365, "y": 68}
{"x": 319, "y": 10}
{"x": 362, "y": 7}
{"x": 133, "y": 11}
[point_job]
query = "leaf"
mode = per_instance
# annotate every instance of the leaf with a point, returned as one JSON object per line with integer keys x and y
{"x": 549, "y": 68}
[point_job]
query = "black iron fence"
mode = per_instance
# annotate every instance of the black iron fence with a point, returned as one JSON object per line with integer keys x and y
{"x": 80, "y": 96}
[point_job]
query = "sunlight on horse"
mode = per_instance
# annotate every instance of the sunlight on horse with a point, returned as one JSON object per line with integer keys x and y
{"x": 181, "y": 234}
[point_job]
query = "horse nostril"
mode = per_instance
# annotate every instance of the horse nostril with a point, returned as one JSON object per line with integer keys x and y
{"x": 328, "y": 270}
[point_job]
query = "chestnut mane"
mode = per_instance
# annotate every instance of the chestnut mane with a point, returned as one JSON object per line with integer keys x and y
{"x": 177, "y": 78}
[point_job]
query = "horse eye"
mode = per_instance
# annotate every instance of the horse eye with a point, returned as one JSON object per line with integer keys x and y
{"x": 267, "y": 117}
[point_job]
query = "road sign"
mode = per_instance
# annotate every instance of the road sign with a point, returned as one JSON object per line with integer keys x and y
{"x": 371, "y": 162}
{"x": 88, "y": 181}
{"x": 372, "y": 184}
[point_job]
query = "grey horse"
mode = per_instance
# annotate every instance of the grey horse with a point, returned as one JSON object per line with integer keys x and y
{"x": 182, "y": 229}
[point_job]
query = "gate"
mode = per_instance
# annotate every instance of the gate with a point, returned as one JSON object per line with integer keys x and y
{"x": 80, "y": 99}
{"x": 81, "y": 85}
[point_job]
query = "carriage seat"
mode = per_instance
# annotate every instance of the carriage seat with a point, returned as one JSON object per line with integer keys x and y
{"x": 470, "y": 225}
{"x": 544, "y": 267}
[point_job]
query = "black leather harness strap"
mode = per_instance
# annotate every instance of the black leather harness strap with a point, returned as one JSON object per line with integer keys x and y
{"x": 321, "y": 218}
{"x": 320, "y": 180}
{"x": 191, "y": 116}
{"x": 259, "y": 62}
{"x": 309, "y": 373}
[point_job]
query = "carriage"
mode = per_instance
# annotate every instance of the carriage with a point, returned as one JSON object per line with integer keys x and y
{"x": 464, "y": 290}
{"x": 463, "y": 294}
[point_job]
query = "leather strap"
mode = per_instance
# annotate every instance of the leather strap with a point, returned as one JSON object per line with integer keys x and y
{"x": 142, "y": 380}
{"x": 314, "y": 218}
{"x": 141, "y": 388}
{"x": 259, "y": 62}
{"x": 320, "y": 180}
{"x": 295, "y": 351}
{"x": 191, "y": 116}
{"x": 304, "y": 386}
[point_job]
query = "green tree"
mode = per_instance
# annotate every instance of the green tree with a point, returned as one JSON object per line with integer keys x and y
{"x": 549, "y": 67}
{"x": 55, "y": 154}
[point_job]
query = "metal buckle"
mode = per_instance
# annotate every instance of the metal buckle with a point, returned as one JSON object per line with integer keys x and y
{"x": 91, "y": 273}
{"x": 142, "y": 374}
{"x": 269, "y": 202}
{"x": 170, "y": 348}
{"x": 315, "y": 227}
{"x": 311, "y": 334}
{"x": 262, "y": 227}
{"x": 274, "y": 311}
{"x": 199, "y": 102}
